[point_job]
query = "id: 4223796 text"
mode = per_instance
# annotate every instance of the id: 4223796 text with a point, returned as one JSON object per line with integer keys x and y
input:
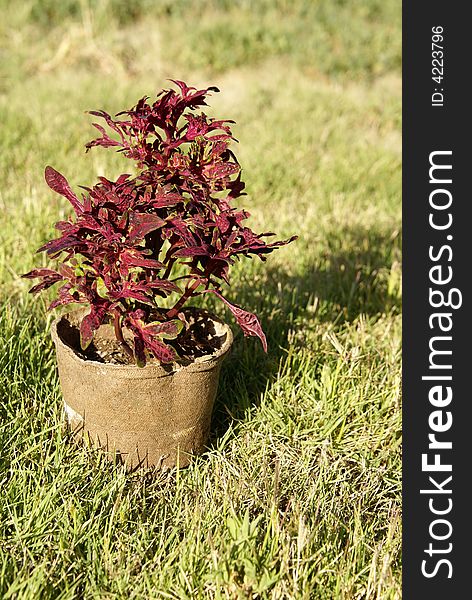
{"x": 437, "y": 65}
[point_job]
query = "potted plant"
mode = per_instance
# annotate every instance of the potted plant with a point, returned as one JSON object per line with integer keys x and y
{"x": 138, "y": 368}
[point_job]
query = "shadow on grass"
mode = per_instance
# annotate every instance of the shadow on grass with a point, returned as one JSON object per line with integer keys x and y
{"x": 357, "y": 273}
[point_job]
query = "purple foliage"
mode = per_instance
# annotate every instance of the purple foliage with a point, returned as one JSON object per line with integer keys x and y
{"x": 171, "y": 229}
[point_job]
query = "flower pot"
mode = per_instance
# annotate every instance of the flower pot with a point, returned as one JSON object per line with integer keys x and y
{"x": 157, "y": 415}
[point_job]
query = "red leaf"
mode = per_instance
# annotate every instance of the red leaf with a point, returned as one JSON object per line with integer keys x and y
{"x": 184, "y": 88}
{"x": 44, "y": 285}
{"x": 167, "y": 329}
{"x": 58, "y": 183}
{"x": 220, "y": 171}
{"x": 164, "y": 284}
{"x": 223, "y": 222}
{"x": 161, "y": 351}
{"x": 105, "y": 141}
{"x": 92, "y": 322}
{"x": 248, "y": 322}
{"x": 132, "y": 258}
{"x": 166, "y": 200}
{"x": 131, "y": 293}
{"x": 150, "y": 263}
{"x": 65, "y": 226}
{"x": 123, "y": 179}
{"x": 192, "y": 251}
{"x": 49, "y": 277}
{"x": 145, "y": 339}
{"x": 62, "y": 301}
{"x": 59, "y": 244}
{"x": 142, "y": 224}
{"x": 115, "y": 125}
{"x": 41, "y": 273}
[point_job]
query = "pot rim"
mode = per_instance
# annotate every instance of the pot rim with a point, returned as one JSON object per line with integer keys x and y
{"x": 201, "y": 363}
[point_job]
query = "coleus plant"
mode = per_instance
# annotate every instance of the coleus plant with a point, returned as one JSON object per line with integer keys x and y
{"x": 170, "y": 229}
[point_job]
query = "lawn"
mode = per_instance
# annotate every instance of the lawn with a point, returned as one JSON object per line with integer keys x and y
{"x": 299, "y": 493}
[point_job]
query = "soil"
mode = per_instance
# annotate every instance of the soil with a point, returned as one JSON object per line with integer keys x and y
{"x": 199, "y": 338}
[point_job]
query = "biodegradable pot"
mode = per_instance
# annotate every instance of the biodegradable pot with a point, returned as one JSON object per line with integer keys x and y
{"x": 157, "y": 415}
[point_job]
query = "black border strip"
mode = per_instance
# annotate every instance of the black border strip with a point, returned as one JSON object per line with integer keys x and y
{"x": 443, "y": 128}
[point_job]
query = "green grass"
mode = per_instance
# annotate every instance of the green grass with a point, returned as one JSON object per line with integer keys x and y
{"x": 298, "y": 495}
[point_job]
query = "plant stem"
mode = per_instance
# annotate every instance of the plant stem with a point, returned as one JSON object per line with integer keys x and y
{"x": 169, "y": 268}
{"x": 119, "y": 335}
{"x": 186, "y": 295}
